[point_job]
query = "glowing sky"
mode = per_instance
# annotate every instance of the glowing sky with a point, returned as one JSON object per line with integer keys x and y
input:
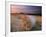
{"x": 25, "y": 9}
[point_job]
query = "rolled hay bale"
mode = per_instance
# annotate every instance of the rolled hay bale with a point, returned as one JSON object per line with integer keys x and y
{"x": 20, "y": 23}
{"x": 39, "y": 20}
{"x": 38, "y": 25}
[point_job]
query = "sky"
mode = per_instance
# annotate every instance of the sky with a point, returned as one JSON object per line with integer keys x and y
{"x": 25, "y": 9}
